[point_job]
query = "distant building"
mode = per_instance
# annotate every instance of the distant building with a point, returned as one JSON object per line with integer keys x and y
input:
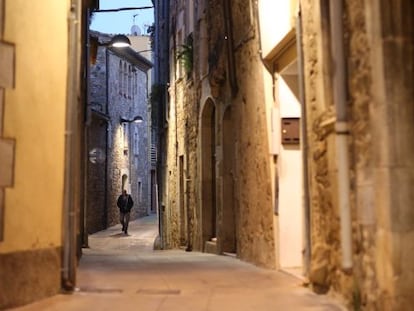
{"x": 118, "y": 94}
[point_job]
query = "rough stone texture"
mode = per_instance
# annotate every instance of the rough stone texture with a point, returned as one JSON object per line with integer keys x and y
{"x": 118, "y": 90}
{"x": 324, "y": 218}
{"x": 31, "y": 282}
{"x": 393, "y": 67}
{"x": 255, "y": 242}
{"x": 96, "y": 211}
{"x": 378, "y": 43}
{"x": 364, "y": 288}
{"x": 122, "y": 105}
{"x": 380, "y": 111}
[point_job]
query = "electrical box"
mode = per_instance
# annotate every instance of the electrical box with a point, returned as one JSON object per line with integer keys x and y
{"x": 290, "y": 131}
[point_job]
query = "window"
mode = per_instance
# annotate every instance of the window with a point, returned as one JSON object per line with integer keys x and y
{"x": 129, "y": 93}
{"x": 180, "y": 66}
{"x": 124, "y": 80}
{"x": 120, "y": 78}
{"x": 190, "y": 16}
{"x": 124, "y": 180}
{"x": 125, "y": 135}
{"x": 136, "y": 141}
{"x": 139, "y": 191}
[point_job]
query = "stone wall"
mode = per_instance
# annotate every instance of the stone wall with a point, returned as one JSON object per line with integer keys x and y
{"x": 127, "y": 105}
{"x": 253, "y": 188}
{"x": 96, "y": 208}
{"x": 364, "y": 290}
{"x": 325, "y": 266}
{"x": 392, "y": 42}
{"x": 375, "y": 75}
{"x": 119, "y": 89}
{"x": 255, "y": 241}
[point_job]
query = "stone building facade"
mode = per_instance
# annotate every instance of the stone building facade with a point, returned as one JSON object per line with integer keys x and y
{"x": 119, "y": 150}
{"x": 287, "y": 140}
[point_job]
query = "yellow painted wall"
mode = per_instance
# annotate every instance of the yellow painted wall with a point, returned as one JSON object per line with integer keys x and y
{"x": 34, "y": 115}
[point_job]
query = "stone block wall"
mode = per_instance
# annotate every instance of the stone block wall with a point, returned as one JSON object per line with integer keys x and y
{"x": 374, "y": 77}
{"x": 254, "y": 205}
{"x": 96, "y": 212}
{"x": 127, "y": 105}
{"x": 119, "y": 89}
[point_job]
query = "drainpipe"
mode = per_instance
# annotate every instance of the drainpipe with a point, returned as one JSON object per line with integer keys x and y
{"x": 69, "y": 215}
{"x": 341, "y": 128}
{"x": 305, "y": 144}
{"x": 107, "y": 149}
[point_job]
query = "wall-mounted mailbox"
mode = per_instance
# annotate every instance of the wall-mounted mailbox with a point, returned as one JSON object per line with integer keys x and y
{"x": 290, "y": 131}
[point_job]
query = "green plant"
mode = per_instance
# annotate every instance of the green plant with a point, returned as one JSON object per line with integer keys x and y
{"x": 185, "y": 55}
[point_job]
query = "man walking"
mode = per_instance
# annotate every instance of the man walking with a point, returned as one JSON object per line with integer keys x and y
{"x": 124, "y": 204}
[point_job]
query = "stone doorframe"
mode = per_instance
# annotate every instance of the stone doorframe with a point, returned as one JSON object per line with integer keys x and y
{"x": 228, "y": 221}
{"x": 208, "y": 211}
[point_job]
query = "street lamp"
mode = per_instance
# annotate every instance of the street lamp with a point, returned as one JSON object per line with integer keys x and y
{"x": 117, "y": 41}
{"x": 137, "y": 119}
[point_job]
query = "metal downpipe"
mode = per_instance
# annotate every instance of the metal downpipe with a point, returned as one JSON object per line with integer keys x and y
{"x": 69, "y": 219}
{"x": 341, "y": 127}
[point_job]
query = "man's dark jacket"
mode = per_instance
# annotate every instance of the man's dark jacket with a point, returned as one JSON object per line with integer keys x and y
{"x": 125, "y": 204}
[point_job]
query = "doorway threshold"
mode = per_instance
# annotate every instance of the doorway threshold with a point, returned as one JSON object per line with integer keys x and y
{"x": 295, "y": 272}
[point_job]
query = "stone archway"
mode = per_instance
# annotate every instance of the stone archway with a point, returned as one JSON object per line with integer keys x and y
{"x": 208, "y": 173}
{"x": 228, "y": 224}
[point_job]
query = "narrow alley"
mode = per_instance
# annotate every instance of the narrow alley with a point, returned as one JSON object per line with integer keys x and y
{"x": 125, "y": 273}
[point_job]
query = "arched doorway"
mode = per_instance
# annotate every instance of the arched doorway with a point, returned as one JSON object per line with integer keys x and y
{"x": 208, "y": 173}
{"x": 228, "y": 236}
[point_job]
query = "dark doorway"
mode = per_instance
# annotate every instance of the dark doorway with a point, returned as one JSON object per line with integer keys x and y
{"x": 208, "y": 160}
{"x": 228, "y": 236}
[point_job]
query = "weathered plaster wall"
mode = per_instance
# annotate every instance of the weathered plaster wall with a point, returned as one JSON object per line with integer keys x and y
{"x": 33, "y": 114}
